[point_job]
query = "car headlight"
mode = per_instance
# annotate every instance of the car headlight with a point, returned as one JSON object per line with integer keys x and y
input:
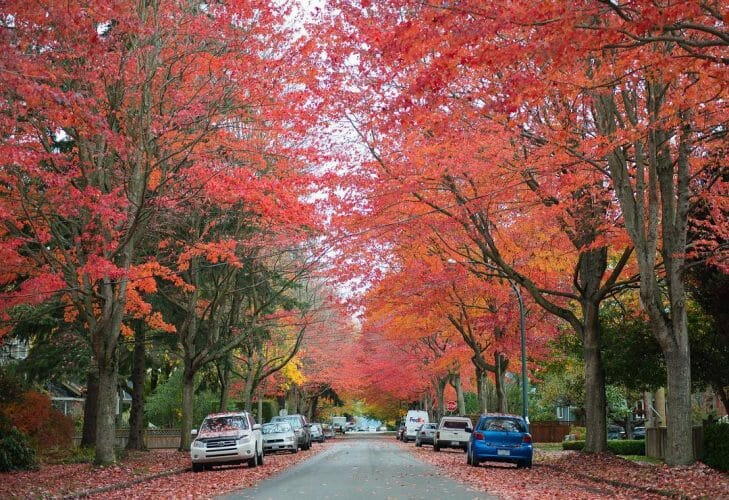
{"x": 289, "y": 439}
{"x": 198, "y": 444}
{"x": 244, "y": 439}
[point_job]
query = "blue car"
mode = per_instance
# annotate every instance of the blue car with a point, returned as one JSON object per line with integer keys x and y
{"x": 500, "y": 438}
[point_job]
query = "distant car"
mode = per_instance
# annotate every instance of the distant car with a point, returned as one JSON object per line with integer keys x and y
{"x": 301, "y": 429}
{"x": 500, "y": 438}
{"x": 227, "y": 438}
{"x": 425, "y": 435}
{"x": 279, "y": 436}
{"x": 615, "y": 432}
{"x": 328, "y": 431}
{"x": 317, "y": 433}
{"x": 639, "y": 433}
{"x": 382, "y": 428}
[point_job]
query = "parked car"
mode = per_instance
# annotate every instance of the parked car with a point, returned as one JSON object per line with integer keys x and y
{"x": 301, "y": 428}
{"x": 452, "y": 432}
{"x": 317, "y": 433}
{"x": 279, "y": 436}
{"x": 639, "y": 432}
{"x": 500, "y": 438}
{"x": 227, "y": 438}
{"x": 426, "y": 433}
{"x": 328, "y": 431}
{"x": 615, "y": 432}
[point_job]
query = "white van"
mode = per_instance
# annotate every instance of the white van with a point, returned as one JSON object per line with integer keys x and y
{"x": 413, "y": 420}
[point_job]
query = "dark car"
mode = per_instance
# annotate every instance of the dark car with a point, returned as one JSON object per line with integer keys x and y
{"x": 400, "y": 432}
{"x": 426, "y": 434}
{"x": 639, "y": 433}
{"x": 317, "y": 432}
{"x": 301, "y": 429}
{"x": 500, "y": 438}
{"x": 615, "y": 432}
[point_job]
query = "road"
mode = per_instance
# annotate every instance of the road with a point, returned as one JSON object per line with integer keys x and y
{"x": 361, "y": 468}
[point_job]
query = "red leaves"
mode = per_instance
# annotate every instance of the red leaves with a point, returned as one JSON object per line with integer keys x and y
{"x": 61, "y": 480}
{"x": 581, "y": 475}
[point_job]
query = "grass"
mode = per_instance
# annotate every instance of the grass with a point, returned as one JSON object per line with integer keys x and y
{"x": 548, "y": 446}
{"x": 642, "y": 459}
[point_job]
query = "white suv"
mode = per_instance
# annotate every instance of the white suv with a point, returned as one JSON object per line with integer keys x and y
{"x": 453, "y": 432}
{"x": 227, "y": 438}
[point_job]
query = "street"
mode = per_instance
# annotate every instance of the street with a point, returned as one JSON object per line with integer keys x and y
{"x": 357, "y": 468}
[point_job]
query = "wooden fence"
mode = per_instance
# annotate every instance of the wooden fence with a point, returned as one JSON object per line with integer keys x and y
{"x": 154, "y": 439}
{"x": 549, "y": 432}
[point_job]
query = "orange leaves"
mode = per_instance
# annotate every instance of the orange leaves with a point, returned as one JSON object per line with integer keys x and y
{"x": 214, "y": 252}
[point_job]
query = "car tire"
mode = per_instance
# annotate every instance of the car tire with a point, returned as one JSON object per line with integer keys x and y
{"x": 260, "y": 458}
{"x": 197, "y": 467}
{"x": 253, "y": 461}
{"x": 418, "y": 443}
{"x": 435, "y": 446}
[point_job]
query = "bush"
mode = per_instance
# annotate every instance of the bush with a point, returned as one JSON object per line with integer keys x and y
{"x": 16, "y": 453}
{"x": 35, "y": 417}
{"x": 627, "y": 446}
{"x": 579, "y": 432}
{"x": 615, "y": 446}
{"x": 716, "y": 446}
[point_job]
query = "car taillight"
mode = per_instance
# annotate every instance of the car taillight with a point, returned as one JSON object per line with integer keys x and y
{"x": 527, "y": 438}
{"x": 478, "y": 435}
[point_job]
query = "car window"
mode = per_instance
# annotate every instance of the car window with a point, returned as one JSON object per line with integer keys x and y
{"x": 294, "y": 421}
{"x": 276, "y": 427}
{"x": 455, "y": 424}
{"x": 502, "y": 424}
{"x": 220, "y": 424}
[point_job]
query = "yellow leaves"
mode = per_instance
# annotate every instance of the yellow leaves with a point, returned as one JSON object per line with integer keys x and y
{"x": 292, "y": 373}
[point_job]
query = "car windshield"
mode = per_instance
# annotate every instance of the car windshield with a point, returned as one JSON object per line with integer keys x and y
{"x": 294, "y": 421}
{"x": 275, "y": 427}
{"x": 455, "y": 424}
{"x": 221, "y": 424}
{"x": 502, "y": 424}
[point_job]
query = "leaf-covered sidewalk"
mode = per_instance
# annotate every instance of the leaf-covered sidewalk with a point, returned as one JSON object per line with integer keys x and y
{"x": 571, "y": 474}
{"x": 153, "y": 474}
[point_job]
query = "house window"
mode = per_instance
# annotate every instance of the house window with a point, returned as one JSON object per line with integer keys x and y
{"x": 560, "y": 413}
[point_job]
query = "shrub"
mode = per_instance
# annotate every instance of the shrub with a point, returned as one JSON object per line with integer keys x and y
{"x": 579, "y": 432}
{"x": 35, "y": 417}
{"x": 716, "y": 446}
{"x": 627, "y": 446}
{"x": 573, "y": 445}
{"x": 16, "y": 453}
{"x": 615, "y": 446}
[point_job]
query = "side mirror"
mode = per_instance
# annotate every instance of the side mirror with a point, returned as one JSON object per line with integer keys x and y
{"x": 256, "y": 427}
{"x": 193, "y": 432}
{"x": 468, "y": 429}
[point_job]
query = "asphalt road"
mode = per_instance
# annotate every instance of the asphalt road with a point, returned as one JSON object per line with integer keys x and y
{"x": 361, "y": 468}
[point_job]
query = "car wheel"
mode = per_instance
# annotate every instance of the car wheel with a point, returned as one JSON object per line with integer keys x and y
{"x": 436, "y": 447}
{"x": 197, "y": 467}
{"x": 253, "y": 461}
{"x": 295, "y": 450}
{"x": 469, "y": 459}
{"x": 418, "y": 443}
{"x": 260, "y": 458}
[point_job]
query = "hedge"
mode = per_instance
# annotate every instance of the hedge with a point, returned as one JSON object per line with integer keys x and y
{"x": 716, "y": 446}
{"x": 615, "y": 446}
{"x": 16, "y": 452}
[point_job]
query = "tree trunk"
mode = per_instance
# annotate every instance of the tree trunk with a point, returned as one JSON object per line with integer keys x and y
{"x": 501, "y": 403}
{"x": 224, "y": 377}
{"x": 91, "y": 408}
{"x": 440, "y": 385}
{"x": 679, "y": 444}
{"x": 136, "y": 416}
{"x": 188, "y": 390}
{"x": 458, "y": 386}
{"x": 595, "y": 403}
{"x": 260, "y": 409}
{"x": 107, "y": 408}
{"x": 481, "y": 390}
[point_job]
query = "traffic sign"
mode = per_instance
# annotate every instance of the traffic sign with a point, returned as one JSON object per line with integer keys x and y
{"x": 451, "y": 406}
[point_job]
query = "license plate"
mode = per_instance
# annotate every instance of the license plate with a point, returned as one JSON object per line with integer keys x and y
{"x": 455, "y": 443}
{"x": 503, "y": 452}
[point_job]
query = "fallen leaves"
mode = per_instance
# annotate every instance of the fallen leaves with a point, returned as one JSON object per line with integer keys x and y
{"x": 579, "y": 475}
{"x": 153, "y": 474}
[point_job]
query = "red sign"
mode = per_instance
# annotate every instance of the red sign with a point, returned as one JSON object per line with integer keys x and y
{"x": 451, "y": 406}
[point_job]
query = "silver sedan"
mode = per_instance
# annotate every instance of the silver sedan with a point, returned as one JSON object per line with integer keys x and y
{"x": 279, "y": 436}
{"x": 426, "y": 434}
